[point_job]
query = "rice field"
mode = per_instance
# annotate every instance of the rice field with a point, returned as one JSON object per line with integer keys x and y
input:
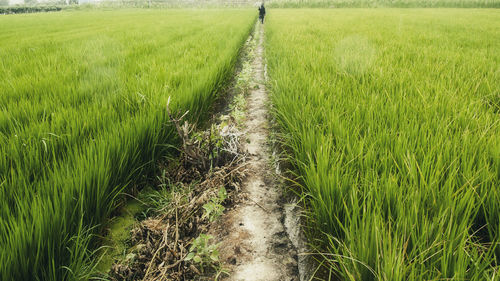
{"x": 391, "y": 121}
{"x": 383, "y": 3}
{"x": 389, "y": 117}
{"x": 82, "y": 114}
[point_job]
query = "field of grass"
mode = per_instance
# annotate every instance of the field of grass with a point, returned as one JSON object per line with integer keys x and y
{"x": 82, "y": 112}
{"x": 383, "y": 3}
{"x": 391, "y": 119}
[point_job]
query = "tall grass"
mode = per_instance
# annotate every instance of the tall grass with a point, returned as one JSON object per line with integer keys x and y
{"x": 391, "y": 118}
{"x": 82, "y": 112}
{"x": 383, "y": 3}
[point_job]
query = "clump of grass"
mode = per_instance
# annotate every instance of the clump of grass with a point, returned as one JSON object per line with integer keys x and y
{"x": 398, "y": 158}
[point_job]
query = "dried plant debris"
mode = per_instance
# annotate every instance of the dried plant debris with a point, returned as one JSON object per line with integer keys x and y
{"x": 193, "y": 192}
{"x": 214, "y": 147}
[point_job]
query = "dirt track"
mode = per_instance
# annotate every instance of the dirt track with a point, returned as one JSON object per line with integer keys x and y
{"x": 255, "y": 244}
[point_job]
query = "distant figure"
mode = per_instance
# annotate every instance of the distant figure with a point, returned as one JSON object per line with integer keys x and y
{"x": 262, "y": 13}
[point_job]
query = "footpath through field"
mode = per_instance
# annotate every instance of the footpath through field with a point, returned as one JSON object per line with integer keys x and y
{"x": 257, "y": 246}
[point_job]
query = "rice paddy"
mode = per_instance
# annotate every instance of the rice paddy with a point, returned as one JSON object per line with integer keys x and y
{"x": 390, "y": 117}
{"x": 82, "y": 113}
{"x": 383, "y": 3}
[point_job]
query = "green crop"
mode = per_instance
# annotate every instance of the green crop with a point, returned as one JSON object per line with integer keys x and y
{"x": 383, "y": 3}
{"x": 391, "y": 119}
{"x": 82, "y": 113}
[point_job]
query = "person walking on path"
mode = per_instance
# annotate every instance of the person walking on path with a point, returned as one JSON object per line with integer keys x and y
{"x": 262, "y": 13}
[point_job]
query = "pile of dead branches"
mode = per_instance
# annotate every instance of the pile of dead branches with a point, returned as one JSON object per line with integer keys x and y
{"x": 208, "y": 149}
{"x": 209, "y": 160}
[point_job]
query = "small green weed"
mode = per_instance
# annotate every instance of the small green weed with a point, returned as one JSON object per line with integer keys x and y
{"x": 214, "y": 208}
{"x": 203, "y": 253}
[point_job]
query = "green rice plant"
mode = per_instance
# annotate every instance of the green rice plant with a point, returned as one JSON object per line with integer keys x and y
{"x": 383, "y": 3}
{"x": 388, "y": 121}
{"x": 82, "y": 113}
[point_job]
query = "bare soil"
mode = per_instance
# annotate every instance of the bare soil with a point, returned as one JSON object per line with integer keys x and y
{"x": 254, "y": 241}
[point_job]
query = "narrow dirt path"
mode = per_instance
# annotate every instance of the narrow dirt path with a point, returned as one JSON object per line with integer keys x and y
{"x": 255, "y": 244}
